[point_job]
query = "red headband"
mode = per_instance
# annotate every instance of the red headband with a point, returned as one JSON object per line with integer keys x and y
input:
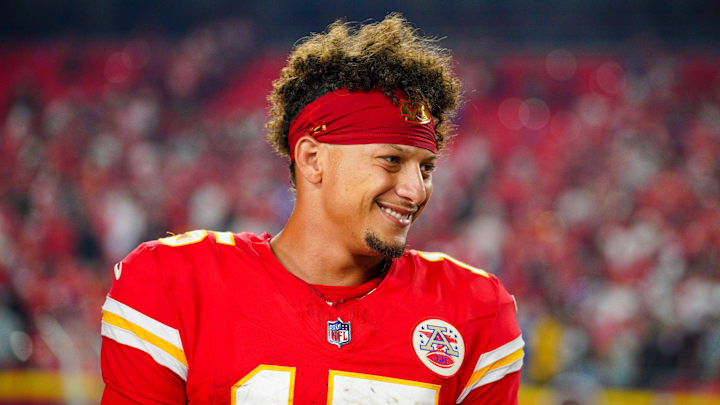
{"x": 352, "y": 118}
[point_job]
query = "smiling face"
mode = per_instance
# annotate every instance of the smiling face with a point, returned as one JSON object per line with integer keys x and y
{"x": 373, "y": 193}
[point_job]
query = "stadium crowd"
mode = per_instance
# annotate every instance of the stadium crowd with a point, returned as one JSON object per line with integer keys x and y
{"x": 588, "y": 181}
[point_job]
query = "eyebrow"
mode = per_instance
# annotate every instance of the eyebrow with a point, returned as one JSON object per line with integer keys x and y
{"x": 403, "y": 149}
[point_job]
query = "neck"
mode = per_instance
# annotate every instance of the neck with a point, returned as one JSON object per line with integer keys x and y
{"x": 314, "y": 255}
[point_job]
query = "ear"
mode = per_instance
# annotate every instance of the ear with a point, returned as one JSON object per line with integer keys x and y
{"x": 306, "y": 159}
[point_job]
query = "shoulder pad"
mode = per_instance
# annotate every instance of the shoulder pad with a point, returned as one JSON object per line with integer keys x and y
{"x": 197, "y": 236}
{"x": 442, "y": 257}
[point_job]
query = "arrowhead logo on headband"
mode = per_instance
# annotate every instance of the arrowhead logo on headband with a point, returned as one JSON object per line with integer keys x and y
{"x": 414, "y": 112}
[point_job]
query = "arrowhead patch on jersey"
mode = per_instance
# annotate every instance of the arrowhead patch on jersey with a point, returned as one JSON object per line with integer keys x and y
{"x": 338, "y": 332}
{"x": 439, "y": 346}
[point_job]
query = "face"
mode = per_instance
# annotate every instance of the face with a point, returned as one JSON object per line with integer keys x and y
{"x": 375, "y": 192}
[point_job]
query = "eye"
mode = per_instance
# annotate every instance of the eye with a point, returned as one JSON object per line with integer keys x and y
{"x": 427, "y": 169}
{"x": 393, "y": 160}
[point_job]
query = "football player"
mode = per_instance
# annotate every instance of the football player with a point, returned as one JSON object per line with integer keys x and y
{"x": 333, "y": 309}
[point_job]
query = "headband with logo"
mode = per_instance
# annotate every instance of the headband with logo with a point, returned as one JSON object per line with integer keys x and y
{"x": 352, "y": 118}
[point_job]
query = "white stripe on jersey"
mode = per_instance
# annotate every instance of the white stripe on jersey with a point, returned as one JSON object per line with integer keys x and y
{"x": 126, "y": 337}
{"x": 159, "y": 329}
{"x": 487, "y": 359}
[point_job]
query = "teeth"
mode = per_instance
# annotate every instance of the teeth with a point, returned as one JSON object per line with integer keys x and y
{"x": 403, "y": 218}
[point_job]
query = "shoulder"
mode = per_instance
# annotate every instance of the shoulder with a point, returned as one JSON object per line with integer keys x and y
{"x": 186, "y": 245}
{"x": 158, "y": 270}
{"x": 169, "y": 257}
{"x": 471, "y": 287}
{"x": 203, "y": 239}
{"x": 443, "y": 268}
{"x": 440, "y": 260}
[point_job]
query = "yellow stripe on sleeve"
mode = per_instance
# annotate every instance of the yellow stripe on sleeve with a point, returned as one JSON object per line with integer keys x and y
{"x": 477, "y": 375}
{"x": 143, "y": 334}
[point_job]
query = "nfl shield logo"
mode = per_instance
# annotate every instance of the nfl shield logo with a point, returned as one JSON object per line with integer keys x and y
{"x": 338, "y": 332}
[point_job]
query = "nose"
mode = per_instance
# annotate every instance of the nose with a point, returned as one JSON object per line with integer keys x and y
{"x": 411, "y": 185}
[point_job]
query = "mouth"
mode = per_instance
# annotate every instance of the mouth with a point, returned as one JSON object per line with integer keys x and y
{"x": 401, "y": 216}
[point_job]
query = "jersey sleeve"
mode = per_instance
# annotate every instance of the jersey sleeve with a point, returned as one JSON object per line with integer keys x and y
{"x": 496, "y": 376}
{"x": 142, "y": 356}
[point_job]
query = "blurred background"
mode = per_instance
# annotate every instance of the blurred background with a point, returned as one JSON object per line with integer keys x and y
{"x": 585, "y": 173}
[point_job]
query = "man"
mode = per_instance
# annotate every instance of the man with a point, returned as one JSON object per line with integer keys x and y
{"x": 333, "y": 309}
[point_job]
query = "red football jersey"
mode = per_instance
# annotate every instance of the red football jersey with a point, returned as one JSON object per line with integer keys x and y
{"x": 214, "y": 318}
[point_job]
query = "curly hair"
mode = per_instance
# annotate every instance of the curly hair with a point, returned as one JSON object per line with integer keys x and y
{"x": 386, "y": 55}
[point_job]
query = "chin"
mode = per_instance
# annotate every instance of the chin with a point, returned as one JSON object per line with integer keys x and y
{"x": 392, "y": 250}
